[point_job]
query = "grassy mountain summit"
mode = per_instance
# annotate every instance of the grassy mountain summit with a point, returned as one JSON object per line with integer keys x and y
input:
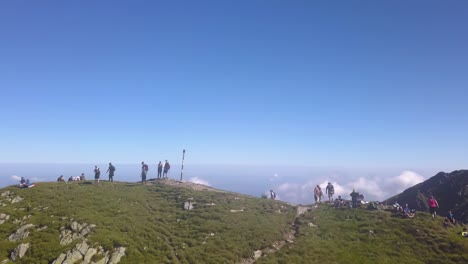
{"x": 148, "y": 220}
{"x": 81, "y": 222}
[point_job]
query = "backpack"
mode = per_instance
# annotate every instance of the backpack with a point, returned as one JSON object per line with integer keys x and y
{"x": 168, "y": 166}
{"x": 112, "y": 168}
{"x": 146, "y": 167}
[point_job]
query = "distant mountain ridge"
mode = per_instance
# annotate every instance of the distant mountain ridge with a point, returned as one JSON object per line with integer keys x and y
{"x": 449, "y": 189}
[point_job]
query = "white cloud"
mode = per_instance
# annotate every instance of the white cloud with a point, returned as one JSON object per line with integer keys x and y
{"x": 199, "y": 181}
{"x": 373, "y": 187}
{"x": 275, "y": 177}
{"x": 406, "y": 179}
{"x": 368, "y": 187}
{"x": 15, "y": 177}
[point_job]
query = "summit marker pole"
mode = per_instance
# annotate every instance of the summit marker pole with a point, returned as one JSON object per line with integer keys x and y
{"x": 182, "y": 170}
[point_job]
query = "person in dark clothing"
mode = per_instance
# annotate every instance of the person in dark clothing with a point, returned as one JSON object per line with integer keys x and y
{"x": 160, "y": 168}
{"x": 97, "y": 174}
{"x": 167, "y": 167}
{"x": 272, "y": 195}
{"x": 111, "y": 171}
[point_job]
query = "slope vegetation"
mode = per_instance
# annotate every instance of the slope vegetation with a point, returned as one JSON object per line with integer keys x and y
{"x": 148, "y": 222}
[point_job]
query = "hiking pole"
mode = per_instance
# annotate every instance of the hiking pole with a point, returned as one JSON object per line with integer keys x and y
{"x": 182, "y": 170}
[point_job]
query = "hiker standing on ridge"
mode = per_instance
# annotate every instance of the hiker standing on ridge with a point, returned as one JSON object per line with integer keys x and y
{"x": 111, "y": 170}
{"x": 272, "y": 195}
{"x": 433, "y": 205}
{"x": 331, "y": 191}
{"x": 97, "y": 174}
{"x": 160, "y": 168}
{"x": 317, "y": 194}
{"x": 167, "y": 167}
{"x": 144, "y": 171}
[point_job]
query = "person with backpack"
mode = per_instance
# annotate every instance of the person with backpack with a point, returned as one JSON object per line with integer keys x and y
{"x": 160, "y": 168}
{"x": 330, "y": 190}
{"x": 97, "y": 174}
{"x": 111, "y": 171}
{"x": 433, "y": 205}
{"x": 144, "y": 172}
{"x": 167, "y": 167}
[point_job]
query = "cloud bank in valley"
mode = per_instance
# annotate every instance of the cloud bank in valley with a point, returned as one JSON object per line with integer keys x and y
{"x": 198, "y": 180}
{"x": 373, "y": 187}
{"x": 15, "y": 177}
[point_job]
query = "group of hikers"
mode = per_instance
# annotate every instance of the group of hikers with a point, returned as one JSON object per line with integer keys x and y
{"x": 25, "y": 183}
{"x": 329, "y": 190}
{"x": 163, "y": 170}
{"x": 406, "y": 211}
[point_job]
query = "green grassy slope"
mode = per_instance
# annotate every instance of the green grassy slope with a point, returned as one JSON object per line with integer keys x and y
{"x": 148, "y": 220}
{"x": 343, "y": 236}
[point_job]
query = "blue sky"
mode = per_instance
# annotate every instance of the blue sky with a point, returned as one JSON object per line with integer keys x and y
{"x": 306, "y": 83}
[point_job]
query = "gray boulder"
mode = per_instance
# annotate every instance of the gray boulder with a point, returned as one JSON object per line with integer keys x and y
{"x": 117, "y": 255}
{"x": 7, "y": 193}
{"x": 89, "y": 254}
{"x": 19, "y": 251}
{"x": 20, "y": 234}
{"x": 17, "y": 199}
{"x": 60, "y": 259}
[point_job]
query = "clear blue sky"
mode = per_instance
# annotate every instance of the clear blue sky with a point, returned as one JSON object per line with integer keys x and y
{"x": 321, "y": 83}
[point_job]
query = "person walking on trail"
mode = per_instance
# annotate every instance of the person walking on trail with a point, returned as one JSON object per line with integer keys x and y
{"x": 317, "y": 194}
{"x": 433, "y": 205}
{"x": 97, "y": 174}
{"x": 144, "y": 172}
{"x": 167, "y": 167}
{"x": 111, "y": 171}
{"x": 330, "y": 190}
{"x": 160, "y": 168}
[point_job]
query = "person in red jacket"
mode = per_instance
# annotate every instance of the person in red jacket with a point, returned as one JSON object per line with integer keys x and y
{"x": 433, "y": 205}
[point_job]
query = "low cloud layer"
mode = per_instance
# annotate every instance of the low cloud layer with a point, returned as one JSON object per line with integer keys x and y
{"x": 15, "y": 177}
{"x": 373, "y": 188}
{"x": 198, "y": 180}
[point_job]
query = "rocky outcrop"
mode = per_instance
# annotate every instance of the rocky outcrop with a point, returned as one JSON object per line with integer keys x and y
{"x": 83, "y": 253}
{"x": 257, "y": 254}
{"x": 117, "y": 255}
{"x": 21, "y": 233}
{"x": 188, "y": 205}
{"x": 4, "y": 218}
{"x": 6, "y": 194}
{"x": 74, "y": 231}
{"x": 19, "y": 251}
{"x": 17, "y": 199}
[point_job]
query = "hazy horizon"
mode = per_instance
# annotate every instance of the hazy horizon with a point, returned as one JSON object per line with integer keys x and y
{"x": 292, "y": 184}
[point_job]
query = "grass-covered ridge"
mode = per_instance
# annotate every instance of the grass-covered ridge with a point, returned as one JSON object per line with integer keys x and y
{"x": 148, "y": 220}
{"x": 329, "y": 235}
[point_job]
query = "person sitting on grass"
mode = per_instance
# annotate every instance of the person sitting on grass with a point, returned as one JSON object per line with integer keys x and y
{"x": 464, "y": 233}
{"x": 22, "y": 183}
{"x": 450, "y": 218}
{"x": 338, "y": 202}
{"x": 398, "y": 208}
{"x": 409, "y": 213}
